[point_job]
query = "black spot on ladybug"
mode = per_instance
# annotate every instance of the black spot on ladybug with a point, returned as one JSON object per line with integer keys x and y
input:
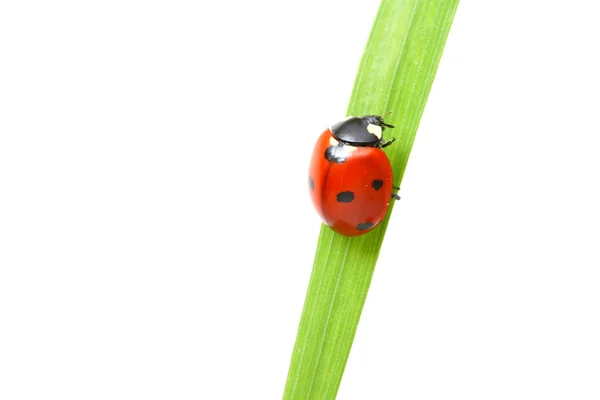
{"x": 345, "y": 197}
{"x": 311, "y": 183}
{"x": 336, "y": 154}
{"x": 377, "y": 184}
{"x": 364, "y": 226}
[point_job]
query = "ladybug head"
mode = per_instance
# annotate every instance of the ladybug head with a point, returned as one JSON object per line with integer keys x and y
{"x": 361, "y": 131}
{"x": 376, "y": 120}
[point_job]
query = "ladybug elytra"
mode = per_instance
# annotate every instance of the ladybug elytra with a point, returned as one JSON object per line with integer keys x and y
{"x": 350, "y": 177}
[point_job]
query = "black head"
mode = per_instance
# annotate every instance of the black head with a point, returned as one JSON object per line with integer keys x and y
{"x": 361, "y": 131}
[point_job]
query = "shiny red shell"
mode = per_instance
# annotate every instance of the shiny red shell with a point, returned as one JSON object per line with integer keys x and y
{"x": 351, "y": 196}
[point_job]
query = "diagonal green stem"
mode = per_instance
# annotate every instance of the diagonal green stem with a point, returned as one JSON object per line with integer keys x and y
{"x": 395, "y": 74}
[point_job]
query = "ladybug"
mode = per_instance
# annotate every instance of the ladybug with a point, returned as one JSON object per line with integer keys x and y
{"x": 350, "y": 177}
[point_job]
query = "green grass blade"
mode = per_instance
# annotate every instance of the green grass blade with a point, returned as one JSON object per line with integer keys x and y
{"x": 395, "y": 74}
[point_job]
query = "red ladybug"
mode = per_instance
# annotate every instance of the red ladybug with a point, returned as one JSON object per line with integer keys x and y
{"x": 350, "y": 177}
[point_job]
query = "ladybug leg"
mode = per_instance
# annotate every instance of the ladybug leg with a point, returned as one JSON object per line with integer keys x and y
{"x": 395, "y": 195}
{"x": 386, "y": 144}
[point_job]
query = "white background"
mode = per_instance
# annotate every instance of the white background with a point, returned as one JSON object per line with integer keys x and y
{"x": 156, "y": 234}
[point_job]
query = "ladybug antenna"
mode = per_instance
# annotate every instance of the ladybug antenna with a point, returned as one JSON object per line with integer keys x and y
{"x": 384, "y": 124}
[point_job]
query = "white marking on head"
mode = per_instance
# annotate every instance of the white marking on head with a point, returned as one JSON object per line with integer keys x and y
{"x": 374, "y": 129}
{"x": 332, "y": 141}
{"x": 350, "y": 149}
